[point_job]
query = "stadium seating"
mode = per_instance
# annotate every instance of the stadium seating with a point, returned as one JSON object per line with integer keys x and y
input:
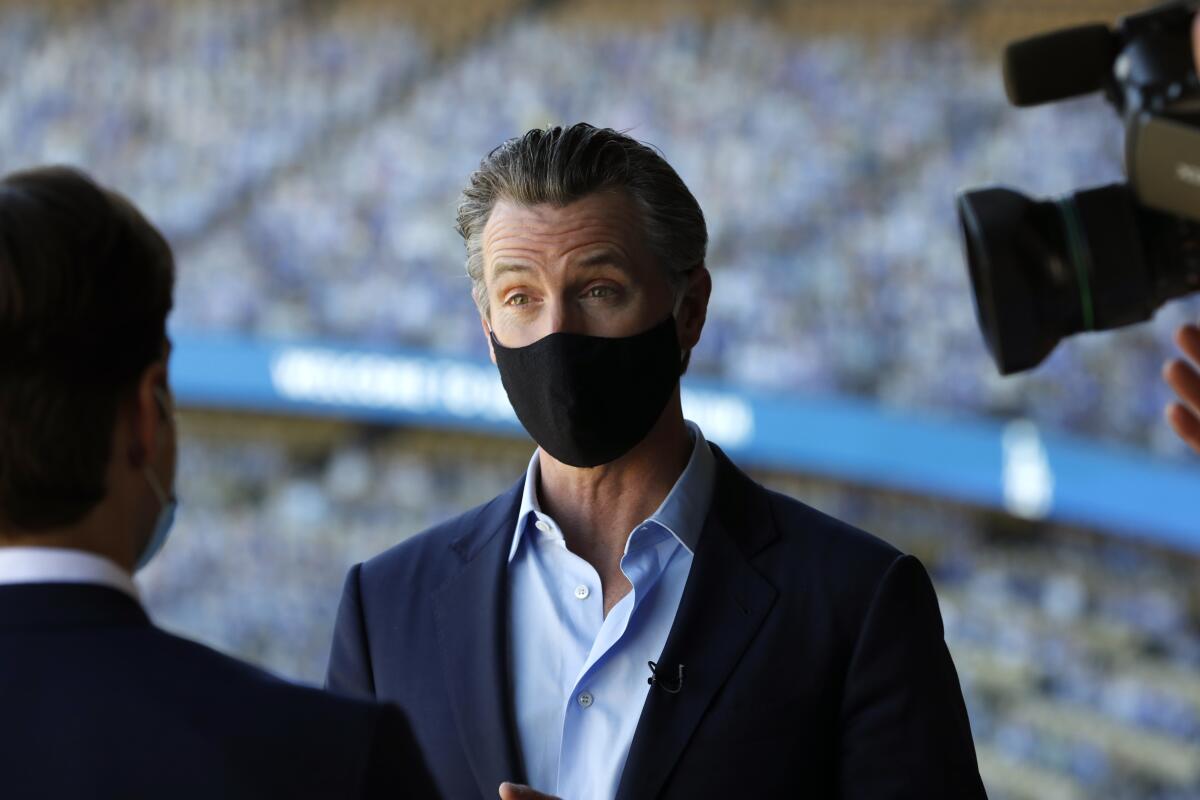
{"x": 305, "y": 160}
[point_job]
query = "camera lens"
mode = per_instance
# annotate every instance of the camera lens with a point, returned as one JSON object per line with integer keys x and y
{"x": 1042, "y": 270}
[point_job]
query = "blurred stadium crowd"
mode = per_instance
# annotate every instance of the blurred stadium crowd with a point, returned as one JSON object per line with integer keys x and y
{"x": 304, "y": 159}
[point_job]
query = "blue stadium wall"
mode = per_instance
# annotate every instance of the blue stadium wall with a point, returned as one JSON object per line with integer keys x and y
{"x": 1004, "y": 465}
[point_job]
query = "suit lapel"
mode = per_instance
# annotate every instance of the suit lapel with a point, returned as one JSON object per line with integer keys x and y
{"x": 722, "y": 608}
{"x": 472, "y": 620}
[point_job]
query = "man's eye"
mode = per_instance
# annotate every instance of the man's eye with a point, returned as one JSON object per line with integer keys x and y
{"x": 517, "y": 300}
{"x": 600, "y": 291}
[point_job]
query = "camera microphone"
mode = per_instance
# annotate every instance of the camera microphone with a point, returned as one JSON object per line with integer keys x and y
{"x": 1055, "y": 66}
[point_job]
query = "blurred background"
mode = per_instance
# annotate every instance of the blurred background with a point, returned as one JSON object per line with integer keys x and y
{"x": 304, "y": 157}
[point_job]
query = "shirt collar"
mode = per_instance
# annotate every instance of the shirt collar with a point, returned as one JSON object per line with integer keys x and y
{"x": 62, "y": 565}
{"x": 681, "y": 514}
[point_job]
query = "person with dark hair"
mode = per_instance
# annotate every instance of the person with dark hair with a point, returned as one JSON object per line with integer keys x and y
{"x": 636, "y": 617}
{"x": 96, "y": 700}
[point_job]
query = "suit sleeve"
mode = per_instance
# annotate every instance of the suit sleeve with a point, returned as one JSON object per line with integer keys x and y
{"x": 904, "y": 731}
{"x": 395, "y": 767}
{"x": 349, "y": 671}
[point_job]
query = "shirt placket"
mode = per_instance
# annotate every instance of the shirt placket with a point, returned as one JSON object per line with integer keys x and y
{"x": 643, "y": 565}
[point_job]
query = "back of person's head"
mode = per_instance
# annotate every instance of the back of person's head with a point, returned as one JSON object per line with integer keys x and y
{"x": 85, "y": 289}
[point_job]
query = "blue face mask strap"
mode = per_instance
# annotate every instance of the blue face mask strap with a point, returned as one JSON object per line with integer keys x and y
{"x": 167, "y": 503}
{"x": 155, "y": 486}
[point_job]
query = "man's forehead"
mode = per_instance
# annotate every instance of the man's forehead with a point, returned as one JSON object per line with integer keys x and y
{"x": 598, "y": 218}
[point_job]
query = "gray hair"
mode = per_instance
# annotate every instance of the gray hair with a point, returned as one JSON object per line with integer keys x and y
{"x": 561, "y": 165}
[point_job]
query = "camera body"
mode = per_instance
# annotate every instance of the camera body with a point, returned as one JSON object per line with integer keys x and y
{"x": 1109, "y": 256}
{"x": 1155, "y": 88}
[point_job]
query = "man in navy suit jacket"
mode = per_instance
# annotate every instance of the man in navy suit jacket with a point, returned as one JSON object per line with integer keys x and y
{"x": 96, "y": 702}
{"x": 636, "y": 617}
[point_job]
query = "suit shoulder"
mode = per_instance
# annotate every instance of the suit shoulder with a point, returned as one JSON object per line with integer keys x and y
{"x": 837, "y": 538}
{"x": 308, "y": 742}
{"x": 847, "y": 560}
{"x": 821, "y": 562}
{"x": 240, "y": 682}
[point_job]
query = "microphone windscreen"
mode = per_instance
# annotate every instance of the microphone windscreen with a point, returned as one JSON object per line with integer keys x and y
{"x": 1060, "y": 64}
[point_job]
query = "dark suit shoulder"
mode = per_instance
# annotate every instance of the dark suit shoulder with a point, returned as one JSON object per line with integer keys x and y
{"x": 781, "y": 533}
{"x": 819, "y": 557}
{"x": 152, "y": 714}
{"x": 240, "y": 682}
{"x": 834, "y": 542}
{"x": 333, "y": 743}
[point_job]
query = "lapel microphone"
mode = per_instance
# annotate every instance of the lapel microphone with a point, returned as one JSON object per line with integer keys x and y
{"x": 666, "y": 684}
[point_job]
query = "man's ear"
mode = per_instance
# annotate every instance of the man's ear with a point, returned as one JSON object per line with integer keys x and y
{"x": 144, "y": 413}
{"x": 693, "y": 310}
{"x": 487, "y": 334}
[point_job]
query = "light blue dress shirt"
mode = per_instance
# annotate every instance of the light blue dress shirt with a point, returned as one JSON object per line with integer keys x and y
{"x": 579, "y": 678}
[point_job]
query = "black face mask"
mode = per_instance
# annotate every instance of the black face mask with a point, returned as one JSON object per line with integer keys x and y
{"x": 587, "y": 400}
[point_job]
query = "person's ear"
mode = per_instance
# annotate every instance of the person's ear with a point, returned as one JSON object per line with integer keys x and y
{"x": 145, "y": 413}
{"x": 487, "y": 334}
{"x": 693, "y": 308}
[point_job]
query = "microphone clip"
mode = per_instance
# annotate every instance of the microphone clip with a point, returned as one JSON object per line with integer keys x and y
{"x": 670, "y": 686}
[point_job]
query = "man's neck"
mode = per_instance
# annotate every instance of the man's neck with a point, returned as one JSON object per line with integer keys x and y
{"x": 597, "y": 508}
{"x": 93, "y": 534}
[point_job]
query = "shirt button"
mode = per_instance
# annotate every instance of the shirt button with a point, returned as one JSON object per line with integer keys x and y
{"x": 582, "y": 592}
{"x": 585, "y": 699}
{"x": 544, "y": 527}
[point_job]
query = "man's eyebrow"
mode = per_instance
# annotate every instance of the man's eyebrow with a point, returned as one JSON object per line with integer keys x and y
{"x": 507, "y": 266}
{"x": 604, "y": 258}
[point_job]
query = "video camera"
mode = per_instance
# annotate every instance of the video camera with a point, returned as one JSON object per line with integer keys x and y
{"x": 1109, "y": 256}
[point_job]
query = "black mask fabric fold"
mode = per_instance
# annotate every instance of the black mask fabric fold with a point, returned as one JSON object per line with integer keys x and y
{"x": 588, "y": 400}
